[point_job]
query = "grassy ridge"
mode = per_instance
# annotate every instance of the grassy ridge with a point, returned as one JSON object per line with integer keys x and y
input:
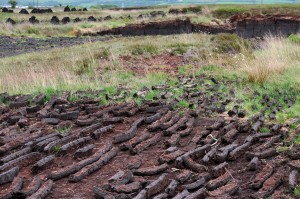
{"x": 271, "y": 69}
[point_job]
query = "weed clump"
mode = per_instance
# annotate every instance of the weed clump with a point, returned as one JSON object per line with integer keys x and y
{"x": 294, "y": 38}
{"x": 231, "y": 43}
{"x": 223, "y": 13}
{"x": 196, "y": 9}
{"x": 103, "y": 53}
{"x": 84, "y": 66}
{"x": 179, "y": 48}
{"x": 297, "y": 191}
{"x": 140, "y": 49}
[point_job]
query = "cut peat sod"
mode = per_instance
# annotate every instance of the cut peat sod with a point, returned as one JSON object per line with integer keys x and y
{"x": 148, "y": 151}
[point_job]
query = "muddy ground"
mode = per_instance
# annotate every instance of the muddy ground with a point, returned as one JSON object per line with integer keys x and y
{"x": 11, "y": 46}
{"x": 64, "y": 149}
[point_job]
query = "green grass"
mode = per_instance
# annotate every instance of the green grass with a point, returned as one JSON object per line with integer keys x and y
{"x": 183, "y": 70}
{"x": 152, "y": 94}
{"x": 86, "y": 25}
{"x": 297, "y": 191}
{"x": 294, "y": 38}
{"x": 183, "y": 104}
{"x": 223, "y": 13}
{"x": 56, "y": 148}
{"x": 231, "y": 43}
{"x": 63, "y": 130}
{"x": 297, "y": 140}
{"x": 264, "y": 130}
{"x": 282, "y": 149}
{"x": 139, "y": 49}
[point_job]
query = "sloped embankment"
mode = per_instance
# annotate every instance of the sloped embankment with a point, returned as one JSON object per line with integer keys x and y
{"x": 247, "y": 27}
{"x": 259, "y": 26}
{"x": 163, "y": 28}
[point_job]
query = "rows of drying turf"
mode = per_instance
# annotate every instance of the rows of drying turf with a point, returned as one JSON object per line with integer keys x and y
{"x": 58, "y": 148}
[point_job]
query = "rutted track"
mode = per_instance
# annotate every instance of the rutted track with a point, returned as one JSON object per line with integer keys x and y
{"x": 81, "y": 149}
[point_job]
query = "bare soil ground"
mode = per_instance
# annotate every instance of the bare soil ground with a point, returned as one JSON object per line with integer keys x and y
{"x": 63, "y": 149}
{"x": 164, "y": 62}
{"x": 11, "y": 46}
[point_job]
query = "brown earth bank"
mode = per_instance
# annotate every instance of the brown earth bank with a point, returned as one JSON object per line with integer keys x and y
{"x": 247, "y": 27}
{"x": 259, "y": 26}
{"x": 164, "y": 28}
{"x": 165, "y": 62}
{"x": 65, "y": 149}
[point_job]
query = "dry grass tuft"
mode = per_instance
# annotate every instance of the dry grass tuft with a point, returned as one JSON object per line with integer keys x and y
{"x": 276, "y": 56}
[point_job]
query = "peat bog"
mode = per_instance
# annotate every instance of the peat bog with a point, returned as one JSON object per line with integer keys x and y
{"x": 158, "y": 102}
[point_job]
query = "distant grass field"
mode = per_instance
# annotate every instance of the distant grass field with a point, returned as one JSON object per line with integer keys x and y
{"x": 131, "y": 3}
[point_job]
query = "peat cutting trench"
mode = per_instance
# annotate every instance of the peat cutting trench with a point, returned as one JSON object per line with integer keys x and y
{"x": 63, "y": 149}
{"x": 246, "y": 27}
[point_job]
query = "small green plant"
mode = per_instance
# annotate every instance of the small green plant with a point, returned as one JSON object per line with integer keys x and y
{"x": 86, "y": 25}
{"x": 73, "y": 98}
{"x": 231, "y": 43}
{"x": 297, "y": 140}
{"x": 151, "y": 95}
{"x": 297, "y": 191}
{"x": 2, "y": 99}
{"x": 140, "y": 49}
{"x": 49, "y": 92}
{"x": 33, "y": 30}
{"x": 56, "y": 148}
{"x": 264, "y": 130}
{"x": 110, "y": 90}
{"x": 196, "y": 9}
{"x": 139, "y": 101}
{"x": 223, "y": 13}
{"x": 103, "y": 53}
{"x": 282, "y": 149}
{"x": 294, "y": 38}
{"x": 183, "y": 104}
{"x": 84, "y": 67}
{"x": 63, "y": 130}
{"x": 184, "y": 69}
{"x": 294, "y": 125}
{"x": 103, "y": 100}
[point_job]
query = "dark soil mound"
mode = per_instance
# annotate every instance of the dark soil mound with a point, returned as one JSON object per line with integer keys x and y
{"x": 66, "y": 20}
{"x": 11, "y": 21}
{"x": 67, "y": 9}
{"x": 55, "y": 20}
{"x": 76, "y": 20}
{"x": 91, "y": 18}
{"x": 24, "y": 11}
{"x": 34, "y": 20}
{"x": 6, "y": 10}
{"x": 108, "y": 17}
{"x": 41, "y": 11}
